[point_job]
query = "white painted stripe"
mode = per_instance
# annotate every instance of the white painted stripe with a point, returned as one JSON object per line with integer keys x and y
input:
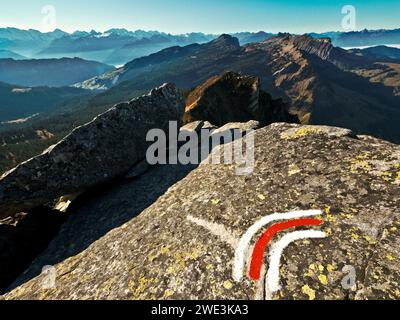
{"x": 242, "y": 248}
{"x": 273, "y": 275}
{"x": 216, "y": 229}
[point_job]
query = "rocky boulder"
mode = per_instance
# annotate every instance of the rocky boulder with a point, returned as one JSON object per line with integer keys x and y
{"x": 189, "y": 243}
{"x": 92, "y": 154}
{"x": 232, "y": 97}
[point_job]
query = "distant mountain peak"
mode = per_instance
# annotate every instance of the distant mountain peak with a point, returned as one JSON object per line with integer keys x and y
{"x": 321, "y": 47}
{"x": 226, "y": 40}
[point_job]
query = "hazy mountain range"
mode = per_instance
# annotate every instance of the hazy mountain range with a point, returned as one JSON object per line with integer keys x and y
{"x": 362, "y": 38}
{"x": 118, "y": 46}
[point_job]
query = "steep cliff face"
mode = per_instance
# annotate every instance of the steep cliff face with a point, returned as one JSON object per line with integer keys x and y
{"x": 324, "y": 49}
{"x": 187, "y": 243}
{"x": 232, "y": 97}
{"x": 320, "y": 47}
{"x": 329, "y": 86}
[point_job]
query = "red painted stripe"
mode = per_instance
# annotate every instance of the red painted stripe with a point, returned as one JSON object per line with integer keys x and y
{"x": 257, "y": 258}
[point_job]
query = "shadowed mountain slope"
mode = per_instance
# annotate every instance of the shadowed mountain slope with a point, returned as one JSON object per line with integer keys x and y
{"x": 323, "y": 84}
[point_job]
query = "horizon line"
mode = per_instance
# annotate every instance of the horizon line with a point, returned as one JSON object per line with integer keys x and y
{"x": 190, "y": 32}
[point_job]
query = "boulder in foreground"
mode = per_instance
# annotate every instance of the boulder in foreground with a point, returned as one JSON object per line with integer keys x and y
{"x": 183, "y": 246}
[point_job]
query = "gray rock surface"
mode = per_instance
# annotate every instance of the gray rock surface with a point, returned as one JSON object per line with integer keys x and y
{"x": 182, "y": 246}
{"x": 92, "y": 154}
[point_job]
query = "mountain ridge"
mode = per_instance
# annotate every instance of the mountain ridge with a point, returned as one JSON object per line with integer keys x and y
{"x": 118, "y": 46}
{"x": 305, "y": 71}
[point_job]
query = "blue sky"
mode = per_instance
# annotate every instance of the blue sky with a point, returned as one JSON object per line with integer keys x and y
{"x": 210, "y": 16}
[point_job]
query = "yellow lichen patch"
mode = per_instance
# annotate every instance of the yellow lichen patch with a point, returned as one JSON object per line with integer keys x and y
{"x": 329, "y": 215}
{"x": 261, "y": 197}
{"x": 313, "y": 269}
{"x": 384, "y": 169}
{"x": 309, "y": 292}
{"x": 302, "y": 132}
{"x": 323, "y": 279}
{"x": 386, "y": 176}
{"x": 330, "y": 268}
{"x": 170, "y": 270}
{"x": 293, "y": 170}
{"x": 357, "y": 165}
{"x": 168, "y": 293}
{"x": 215, "y": 201}
{"x": 140, "y": 290}
{"x": 355, "y": 236}
{"x": 347, "y": 215}
{"x": 44, "y": 293}
{"x": 19, "y": 292}
{"x": 165, "y": 250}
{"x": 194, "y": 254}
{"x": 369, "y": 240}
{"x": 228, "y": 285}
{"x": 390, "y": 258}
{"x": 181, "y": 258}
{"x": 328, "y": 209}
{"x": 84, "y": 278}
